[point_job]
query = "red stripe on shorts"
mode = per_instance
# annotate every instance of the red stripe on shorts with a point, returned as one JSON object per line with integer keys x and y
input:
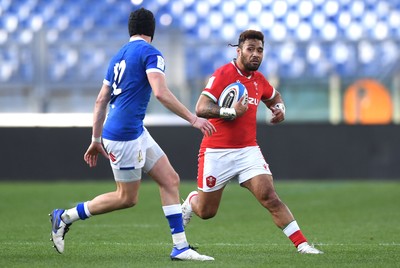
{"x": 200, "y": 170}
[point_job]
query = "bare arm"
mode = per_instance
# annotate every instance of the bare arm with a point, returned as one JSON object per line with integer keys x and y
{"x": 207, "y": 108}
{"x": 168, "y": 99}
{"x": 100, "y": 110}
{"x": 99, "y": 115}
{"x": 277, "y": 107}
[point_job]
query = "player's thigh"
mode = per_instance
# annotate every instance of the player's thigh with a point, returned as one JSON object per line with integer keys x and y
{"x": 163, "y": 173}
{"x": 153, "y": 153}
{"x": 250, "y": 163}
{"x": 157, "y": 164}
{"x": 216, "y": 167}
{"x": 208, "y": 202}
{"x": 128, "y": 190}
{"x": 126, "y": 158}
{"x": 262, "y": 187}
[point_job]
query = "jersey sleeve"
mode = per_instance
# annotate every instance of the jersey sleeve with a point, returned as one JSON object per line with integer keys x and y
{"x": 215, "y": 85}
{"x": 268, "y": 90}
{"x": 154, "y": 61}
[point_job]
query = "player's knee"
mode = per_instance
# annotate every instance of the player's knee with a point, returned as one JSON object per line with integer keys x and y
{"x": 175, "y": 180}
{"x": 170, "y": 181}
{"x": 206, "y": 216}
{"x": 271, "y": 202}
{"x": 128, "y": 202}
{"x": 206, "y": 213}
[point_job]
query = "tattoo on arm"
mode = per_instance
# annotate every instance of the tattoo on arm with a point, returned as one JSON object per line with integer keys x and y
{"x": 210, "y": 110}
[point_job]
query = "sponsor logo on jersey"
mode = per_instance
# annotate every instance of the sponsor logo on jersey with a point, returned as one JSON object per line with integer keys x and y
{"x": 253, "y": 101}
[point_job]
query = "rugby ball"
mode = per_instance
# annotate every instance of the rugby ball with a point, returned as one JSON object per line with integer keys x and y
{"x": 232, "y": 94}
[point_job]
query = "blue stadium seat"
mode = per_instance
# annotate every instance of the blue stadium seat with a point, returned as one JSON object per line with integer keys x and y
{"x": 330, "y": 23}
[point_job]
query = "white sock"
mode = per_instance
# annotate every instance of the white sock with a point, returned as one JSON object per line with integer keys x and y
{"x": 179, "y": 240}
{"x": 71, "y": 215}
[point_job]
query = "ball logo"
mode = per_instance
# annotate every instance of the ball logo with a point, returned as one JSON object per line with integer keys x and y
{"x": 210, "y": 181}
{"x": 231, "y": 95}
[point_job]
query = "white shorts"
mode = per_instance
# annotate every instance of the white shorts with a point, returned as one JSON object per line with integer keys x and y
{"x": 128, "y": 158}
{"x": 218, "y": 166}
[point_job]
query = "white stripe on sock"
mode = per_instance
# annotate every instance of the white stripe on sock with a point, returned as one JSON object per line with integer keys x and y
{"x": 172, "y": 209}
{"x": 87, "y": 212}
{"x": 291, "y": 228}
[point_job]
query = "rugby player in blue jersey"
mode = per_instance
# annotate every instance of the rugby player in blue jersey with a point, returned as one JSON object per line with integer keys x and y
{"x": 135, "y": 72}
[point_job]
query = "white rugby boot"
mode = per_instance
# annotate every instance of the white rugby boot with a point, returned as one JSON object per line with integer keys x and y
{"x": 187, "y": 211}
{"x": 305, "y": 248}
{"x": 58, "y": 230}
{"x": 188, "y": 254}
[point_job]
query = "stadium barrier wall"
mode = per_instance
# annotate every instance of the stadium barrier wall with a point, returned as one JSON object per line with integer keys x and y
{"x": 303, "y": 151}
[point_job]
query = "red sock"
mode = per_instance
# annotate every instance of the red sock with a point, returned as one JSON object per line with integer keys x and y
{"x": 297, "y": 238}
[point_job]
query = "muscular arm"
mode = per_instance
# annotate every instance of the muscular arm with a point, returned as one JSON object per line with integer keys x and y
{"x": 277, "y": 107}
{"x": 207, "y": 108}
{"x": 276, "y": 99}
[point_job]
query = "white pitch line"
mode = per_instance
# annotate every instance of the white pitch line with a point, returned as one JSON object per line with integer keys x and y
{"x": 389, "y": 244}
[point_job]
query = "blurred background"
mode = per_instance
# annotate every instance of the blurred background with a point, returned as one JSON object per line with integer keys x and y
{"x": 333, "y": 60}
{"x": 336, "y": 63}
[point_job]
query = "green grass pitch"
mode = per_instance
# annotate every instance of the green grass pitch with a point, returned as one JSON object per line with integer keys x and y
{"x": 356, "y": 224}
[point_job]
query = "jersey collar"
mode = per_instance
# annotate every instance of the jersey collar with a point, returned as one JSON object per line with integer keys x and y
{"x": 135, "y": 38}
{"x": 247, "y": 75}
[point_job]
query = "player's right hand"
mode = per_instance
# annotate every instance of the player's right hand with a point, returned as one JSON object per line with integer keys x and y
{"x": 91, "y": 155}
{"x": 204, "y": 125}
{"x": 241, "y": 106}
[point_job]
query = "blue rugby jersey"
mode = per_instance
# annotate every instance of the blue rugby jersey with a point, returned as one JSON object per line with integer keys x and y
{"x": 130, "y": 88}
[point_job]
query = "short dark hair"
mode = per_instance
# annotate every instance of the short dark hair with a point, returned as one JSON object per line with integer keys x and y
{"x": 142, "y": 21}
{"x": 250, "y": 34}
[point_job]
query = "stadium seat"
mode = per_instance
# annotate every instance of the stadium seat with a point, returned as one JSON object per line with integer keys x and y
{"x": 351, "y": 38}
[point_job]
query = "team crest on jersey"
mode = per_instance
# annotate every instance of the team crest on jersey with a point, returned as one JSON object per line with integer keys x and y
{"x": 210, "y": 181}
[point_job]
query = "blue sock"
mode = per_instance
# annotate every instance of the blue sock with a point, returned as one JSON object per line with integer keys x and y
{"x": 173, "y": 213}
{"x": 81, "y": 211}
{"x": 175, "y": 223}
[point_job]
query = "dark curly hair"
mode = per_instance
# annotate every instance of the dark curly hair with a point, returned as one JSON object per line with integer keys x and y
{"x": 250, "y": 34}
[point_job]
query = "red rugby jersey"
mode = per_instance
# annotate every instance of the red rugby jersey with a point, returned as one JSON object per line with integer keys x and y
{"x": 240, "y": 132}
